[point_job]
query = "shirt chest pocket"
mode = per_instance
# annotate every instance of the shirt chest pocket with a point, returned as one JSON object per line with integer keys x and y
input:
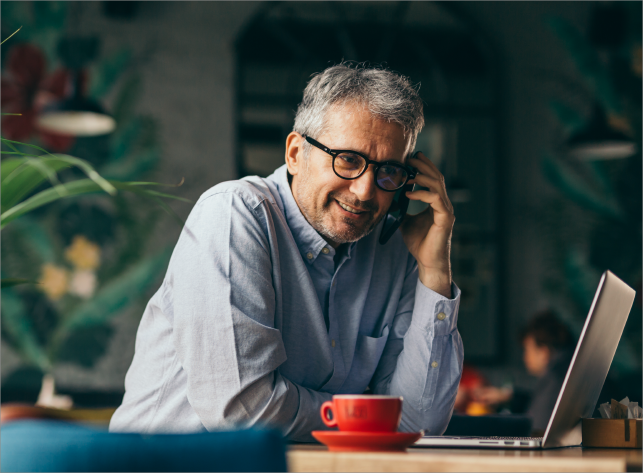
{"x": 368, "y": 351}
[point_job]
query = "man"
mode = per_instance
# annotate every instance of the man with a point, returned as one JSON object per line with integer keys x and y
{"x": 279, "y": 295}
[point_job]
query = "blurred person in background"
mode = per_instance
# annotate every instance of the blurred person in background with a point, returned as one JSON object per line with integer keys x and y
{"x": 470, "y": 382}
{"x": 548, "y": 346}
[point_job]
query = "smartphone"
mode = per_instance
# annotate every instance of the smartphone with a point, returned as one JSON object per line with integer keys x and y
{"x": 397, "y": 210}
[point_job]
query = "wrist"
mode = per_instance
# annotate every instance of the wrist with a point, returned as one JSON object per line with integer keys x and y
{"x": 436, "y": 280}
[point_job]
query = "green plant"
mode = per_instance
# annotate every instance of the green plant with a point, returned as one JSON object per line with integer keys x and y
{"x": 39, "y": 190}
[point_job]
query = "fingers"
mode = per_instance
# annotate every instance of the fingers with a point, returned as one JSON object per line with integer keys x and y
{"x": 433, "y": 199}
{"x": 425, "y": 166}
{"x": 429, "y": 176}
{"x": 434, "y": 185}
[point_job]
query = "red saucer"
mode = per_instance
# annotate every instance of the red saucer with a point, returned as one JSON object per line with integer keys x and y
{"x": 338, "y": 441}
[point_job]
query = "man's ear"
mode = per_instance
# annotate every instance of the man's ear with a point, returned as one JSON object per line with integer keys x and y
{"x": 294, "y": 152}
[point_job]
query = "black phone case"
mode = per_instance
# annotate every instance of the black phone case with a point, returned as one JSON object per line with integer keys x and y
{"x": 398, "y": 209}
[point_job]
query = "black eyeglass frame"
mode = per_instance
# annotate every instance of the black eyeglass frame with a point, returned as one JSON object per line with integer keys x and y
{"x": 410, "y": 172}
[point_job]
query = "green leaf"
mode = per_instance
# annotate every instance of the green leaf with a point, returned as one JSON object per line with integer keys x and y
{"x": 79, "y": 187}
{"x": 73, "y": 161}
{"x": 113, "y": 297}
{"x": 9, "y": 282}
{"x": 74, "y": 188}
{"x": 588, "y": 63}
{"x": 16, "y": 323}
{"x": 105, "y": 74}
{"x": 577, "y": 190}
{"x": 5, "y": 40}
{"x": 20, "y": 176}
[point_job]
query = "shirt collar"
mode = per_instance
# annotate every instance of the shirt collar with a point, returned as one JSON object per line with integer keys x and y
{"x": 309, "y": 242}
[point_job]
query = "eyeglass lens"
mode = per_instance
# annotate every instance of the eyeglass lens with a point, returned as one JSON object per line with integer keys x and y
{"x": 389, "y": 176}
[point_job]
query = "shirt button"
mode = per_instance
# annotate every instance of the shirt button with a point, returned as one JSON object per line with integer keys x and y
{"x": 309, "y": 255}
{"x": 442, "y": 316}
{"x": 332, "y": 343}
{"x": 325, "y": 250}
{"x": 434, "y": 364}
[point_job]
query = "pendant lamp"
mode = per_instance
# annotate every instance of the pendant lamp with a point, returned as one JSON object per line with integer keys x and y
{"x": 76, "y": 115}
{"x": 598, "y": 141}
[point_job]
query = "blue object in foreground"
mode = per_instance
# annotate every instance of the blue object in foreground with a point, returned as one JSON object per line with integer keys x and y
{"x": 46, "y": 445}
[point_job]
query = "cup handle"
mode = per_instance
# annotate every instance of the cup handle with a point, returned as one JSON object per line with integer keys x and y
{"x": 328, "y": 406}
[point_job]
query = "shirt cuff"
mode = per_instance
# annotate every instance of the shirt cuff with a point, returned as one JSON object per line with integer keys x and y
{"x": 435, "y": 313}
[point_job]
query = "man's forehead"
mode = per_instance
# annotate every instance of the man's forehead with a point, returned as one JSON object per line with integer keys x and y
{"x": 352, "y": 126}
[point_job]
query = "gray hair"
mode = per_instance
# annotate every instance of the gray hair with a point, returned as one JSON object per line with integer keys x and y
{"x": 387, "y": 95}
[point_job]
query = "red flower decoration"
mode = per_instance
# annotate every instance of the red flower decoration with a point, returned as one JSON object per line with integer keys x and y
{"x": 27, "y": 89}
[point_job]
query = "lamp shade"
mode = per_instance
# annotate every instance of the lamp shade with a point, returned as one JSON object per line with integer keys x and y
{"x": 76, "y": 115}
{"x": 599, "y": 141}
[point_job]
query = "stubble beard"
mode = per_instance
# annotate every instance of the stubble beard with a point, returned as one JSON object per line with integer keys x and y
{"x": 316, "y": 216}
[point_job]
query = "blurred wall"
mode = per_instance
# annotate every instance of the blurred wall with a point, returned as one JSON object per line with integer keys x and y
{"x": 187, "y": 62}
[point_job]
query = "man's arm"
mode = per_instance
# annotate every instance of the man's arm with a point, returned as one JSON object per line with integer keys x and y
{"x": 422, "y": 360}
{"x": 223, "y": 323}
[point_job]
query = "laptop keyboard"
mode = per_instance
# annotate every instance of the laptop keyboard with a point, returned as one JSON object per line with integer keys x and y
{"x": 511, "y": 438}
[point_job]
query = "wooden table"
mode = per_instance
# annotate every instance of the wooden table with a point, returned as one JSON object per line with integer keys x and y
{"x": 306, "y": 458}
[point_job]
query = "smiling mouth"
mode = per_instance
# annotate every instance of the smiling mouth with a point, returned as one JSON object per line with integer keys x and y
{"x": 350, "y": 209}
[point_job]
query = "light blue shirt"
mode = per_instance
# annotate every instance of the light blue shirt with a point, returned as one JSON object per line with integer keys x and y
{"x": 257, "y": 323}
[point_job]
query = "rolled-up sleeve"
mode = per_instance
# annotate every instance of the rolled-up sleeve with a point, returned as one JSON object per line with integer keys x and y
{"x": 422, "y": 360}
{"x": 223, "y": 323}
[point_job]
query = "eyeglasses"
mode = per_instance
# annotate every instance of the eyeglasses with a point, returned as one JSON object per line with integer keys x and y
{"x": 389, "y": 175}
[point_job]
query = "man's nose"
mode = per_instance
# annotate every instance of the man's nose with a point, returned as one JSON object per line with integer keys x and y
{"x": 364, "y": 186}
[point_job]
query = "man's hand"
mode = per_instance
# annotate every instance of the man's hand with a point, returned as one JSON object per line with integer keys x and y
{"x": 492, "y": 396}
{"x": 428, "y": 234}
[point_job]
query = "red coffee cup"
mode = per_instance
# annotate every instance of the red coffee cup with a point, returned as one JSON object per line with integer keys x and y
{"x": 363, "y": 413}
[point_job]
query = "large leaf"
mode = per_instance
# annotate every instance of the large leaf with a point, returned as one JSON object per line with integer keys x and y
{"x": 20, "y": 176}
{"x": 563, "y": 177}
{"x": 73, "y": 161}
{"x": 588, "y": 63}
{"x": 113, "y": 297}
{"x": 80, "y": 187}
{"x": 16, "y": 323}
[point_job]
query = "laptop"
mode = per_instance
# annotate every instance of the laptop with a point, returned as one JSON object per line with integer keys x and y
{"x": 584, "y": 379}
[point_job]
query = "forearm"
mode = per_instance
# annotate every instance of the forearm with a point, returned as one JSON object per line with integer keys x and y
{"x": 438, "y": 280}
{"x": 426, "y": 366}
{"x": 270, "y": 401}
